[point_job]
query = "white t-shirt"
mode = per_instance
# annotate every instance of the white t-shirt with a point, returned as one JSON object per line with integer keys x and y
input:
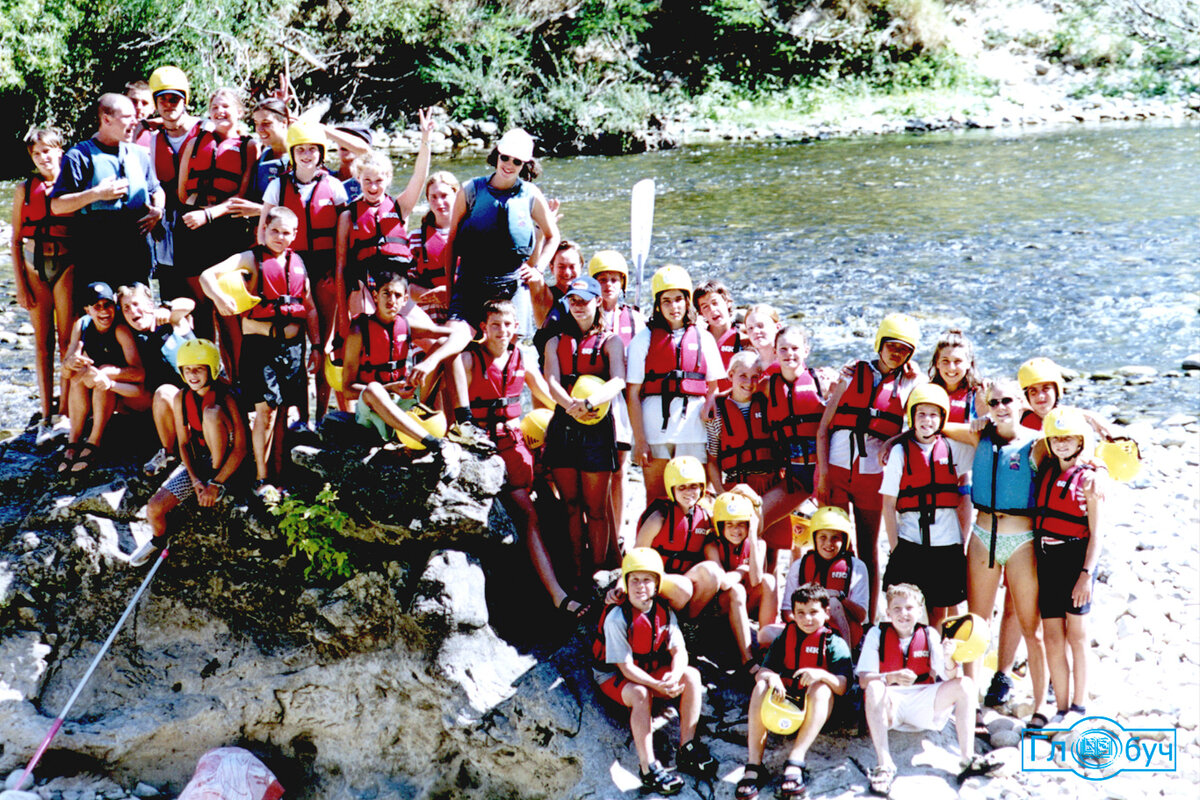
{"x": 340, "y": 198}
{"x": 945, "y": 529}
{"x": 839, "y": 441}
{"x": 868, "y": 659}
{"x": 858, "y": 593}
{"x": 616, "y": 640}
{"x": 684, "y": 424}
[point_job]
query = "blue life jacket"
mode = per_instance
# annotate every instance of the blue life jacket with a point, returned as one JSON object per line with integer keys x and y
{"x": 1002, "y": 475}
{"x": 269, "y": 167}
{"x": 129, "y": 162}
{"x": 496, "y": 234}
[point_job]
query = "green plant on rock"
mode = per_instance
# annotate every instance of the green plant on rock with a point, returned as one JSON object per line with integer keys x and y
{"x": 310, "y": 529}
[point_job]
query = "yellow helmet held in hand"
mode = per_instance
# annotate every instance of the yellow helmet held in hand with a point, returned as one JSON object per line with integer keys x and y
{"x": 199, "y": 353}
{"x": 585, "y": 386}
{"x": 306, "y": 132}
{"x": 233, "y": 283}
{"x": 533, "y": 427}
{"x": 642, "y": 559}
{"x": 901, "y": 328}
{"x": 334, "y": 374}
{"x": 434, "y": 423}
{"x": 681, "y": 471}
{"x": 732, "y": 507}
{"x": 970, "y": 632}
{"x": 672, "y": 276}
{"x": 170, "y": 79}
{"x": 1040, "y": 370}
{"x": 780, "y": 716}
{"x": 1122, "y": 457}
{"x": 609, "y": 261}
{"x": 927, "y": 393}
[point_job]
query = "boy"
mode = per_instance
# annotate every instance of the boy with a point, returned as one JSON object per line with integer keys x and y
{"x": 810, "y": 664}
{"x": 212, "y": 442}
{"x": 922, "y": 493}
{"x": 176, "y": 127}
{"x": 715, "y": 303}
{"x": 639, "y": 657}
{"x": 910, "y": 683}
{"x": 271, "y": 363}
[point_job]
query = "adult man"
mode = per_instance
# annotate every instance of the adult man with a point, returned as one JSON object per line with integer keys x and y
{"x": 172, "y": 92}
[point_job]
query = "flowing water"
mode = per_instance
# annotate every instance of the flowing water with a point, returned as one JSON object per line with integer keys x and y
{"x": 1077, "y": 244}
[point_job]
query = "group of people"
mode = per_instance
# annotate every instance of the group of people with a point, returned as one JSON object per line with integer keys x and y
{"x": 273, "y": 269}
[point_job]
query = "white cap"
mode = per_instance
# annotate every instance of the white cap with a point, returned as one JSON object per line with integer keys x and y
{"x": 516, "y": 144}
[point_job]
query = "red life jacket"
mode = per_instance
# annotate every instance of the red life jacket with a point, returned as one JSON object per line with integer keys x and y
{"x": 583, "y": 355}
{"x": 649, "y": 635}
{"x": 377, "y": 229}
{"x": 681, "y": 539}
{"x": 495, "y": 393}
{"x": 166, "y": 161}
{"x": 621, "y": 323}
{"x": 1031, "y": 420}
{"x": 1061, "y": 503}
{"x": 429, "y": 266}
{"x": 745, "y": 441}
{"x": 48, "y": 232}
{"x": 929, "y": 482}
{"x": 281, "y": 285}
{"x": 194, "y": 407}
{"x": 917, "y": 659}
{"x": 961, "y": 400}
{"x": 803, "y": 651}
{"x": 384, "y": 356}
{"x": 869, "y": 410}
{"x": 729, "y": 343}
{"x": 834, "y": 575}
{"x": 674, "y": 371}
{"x": 794, "y": 412}
{"x": 216, "y": 167}
{"x": 316, "y": 227}
{"x": 733, "y": 557}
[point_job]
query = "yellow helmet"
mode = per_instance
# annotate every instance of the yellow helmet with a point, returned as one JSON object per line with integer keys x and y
{"x": 533, "y": 427}
{"x": 642, "y": 559}
{"x": 780, "y": 716}
{"x": 334, "y": 374}
{"x": 170, "y": 79}
{"x": 609, "y": 261}
{"x": 1122, "y": 458}
{"x": 801, "y": 533}
{"x": 672, "y": 276}
{"x": 681, "y": 471}
{"x": 1066, "y": 421}
{"x": 434, "y": 423}
{"x": 970, "y": 632}
{"x": 585, "y": 386}
{"x": 831, "y": 518}
{"x": 233, "y": 283}
{"x": 199, "y": 352}
{"x": 1040, "y": 370}
{"x": 732, "y": 507}
{"x": 927, "y": 393}
{"x": 900, "y": 327}
{"x": 306, "y": 132}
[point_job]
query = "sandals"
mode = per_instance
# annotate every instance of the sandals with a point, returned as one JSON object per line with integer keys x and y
{"x": 84, "y": 455}
{"x": 1038, "y": 720}
{"x": 982, "y": 765}
{"x": 881, "y": 780}
{"x": 981, "y": 728}
{"x": 754, "y": 777}
{"x": 583, "y": 607}
{"x": 792, "y": 787}
{"x": 67, "y": 459}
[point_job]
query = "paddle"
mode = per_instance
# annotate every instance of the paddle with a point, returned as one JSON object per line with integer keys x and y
{"x": 641, "y": 223}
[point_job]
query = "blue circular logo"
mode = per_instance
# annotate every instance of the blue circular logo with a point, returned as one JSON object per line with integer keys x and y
{"x": 1096, "y": 748}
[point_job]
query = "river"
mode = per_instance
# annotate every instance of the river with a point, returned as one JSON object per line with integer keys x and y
{"x": 1079, "y": 244}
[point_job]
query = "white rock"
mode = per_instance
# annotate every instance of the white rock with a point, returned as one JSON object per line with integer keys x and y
{"x": 145, "y": 790}
{"x": 14, "y": 777}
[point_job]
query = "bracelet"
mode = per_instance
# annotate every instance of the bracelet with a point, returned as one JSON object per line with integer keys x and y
{"x": 1085, "y": 570}
{"x": 207, "y": 216}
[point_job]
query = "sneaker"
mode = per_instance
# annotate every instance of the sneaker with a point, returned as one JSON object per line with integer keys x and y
{"x": 694, "y": 759}
{"x": 161, "y": 460}
{"x": 143, "y": 554}
{"x": 47, "y": 432}
{"x": 469, "y": 434}
{"x": 999, "y": 690}
{"x": 660, "y": 780}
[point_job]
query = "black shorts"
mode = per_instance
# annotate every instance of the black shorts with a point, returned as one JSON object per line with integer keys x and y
{"x": 1058, "y": 566}
{"x": 271, "y": 371}
{"x": 939, "y": 572}
{"x": 587, "y": 448}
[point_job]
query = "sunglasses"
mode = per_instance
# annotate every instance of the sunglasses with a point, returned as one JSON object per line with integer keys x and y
{"x": 516, "y": 162}
{"x": 1003, "y": 401}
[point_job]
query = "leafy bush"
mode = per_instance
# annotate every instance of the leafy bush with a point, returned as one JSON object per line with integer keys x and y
{"x": 310, "y": 529}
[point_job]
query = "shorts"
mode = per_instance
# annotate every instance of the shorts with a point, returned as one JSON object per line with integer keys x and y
{"x": 668, "y": 451}
{"x": 801, "y": 477}
{"x": 48, "y": 267}
{"x": 848, "y": 486}
{"x": 471, "y": 292}
{"x": 1058, "y": 566}
{"x": 939, "y": 572}
{"x": 318, "y": 264}
{"x": 612, "y": 686}
{"x": 271, "y": 371}
{"x": 760, "y": 482}
{"x": 1006, "y": 543}
{"x": 622, "y": 427}
{"x": 587, "y": 448}
{"x": 179, "y": 483}
{"x": 518, "y": 458}
{"x": 910, "y": 708}
{"x": 197, "y": 250}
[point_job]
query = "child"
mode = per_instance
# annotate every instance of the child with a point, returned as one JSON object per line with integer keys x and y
{"x": 671, "y": 360}
{"x": 715, "y": 304}
{"x": 865, "y": 408}
{"x": 212, "y": 442}
{"x": 910, "y": 683}
{"x": 952, "y": 367}
{"x": 810, "y": 664}
{"x": 761, "y": 326}
{"x": 376, "y": 364}
{"x": 488, "y": 378}
{"x": 922, "y": 490}
{"x": 271, "y": 364}
{"x": 831, "y": 565}
{"x": 1067, "y": 530}
{"x": 428, "y": 280}
{"x": 44, "y": 277}
{"x": 640, "y": 656}
{"x": 1042, "y": 383}
{"x": 742, "y": 587}
{"x": 102, "y": 366}
{"x": 739, "y": 439}
{"x": 565, "y": 266}
{"x": 677, "y": 528}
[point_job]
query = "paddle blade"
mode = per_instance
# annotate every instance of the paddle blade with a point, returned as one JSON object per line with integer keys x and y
{"x": 641, "y": 224}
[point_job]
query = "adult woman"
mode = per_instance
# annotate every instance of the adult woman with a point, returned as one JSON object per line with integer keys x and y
{"x": 428, "y": 280}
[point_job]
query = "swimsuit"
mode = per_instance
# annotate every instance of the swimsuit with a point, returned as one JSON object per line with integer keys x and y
{"x": 1006, "y": 543}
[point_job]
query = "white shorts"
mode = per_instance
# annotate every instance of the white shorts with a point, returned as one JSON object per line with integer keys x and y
{"x": 622, "y": 427}
{"x": 910, "y": 708}
{"x": 669, "y": 451}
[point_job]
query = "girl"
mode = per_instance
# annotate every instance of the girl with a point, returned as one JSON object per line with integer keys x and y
{"x": 761, "y": 325}
{"x": 581, "y": 452}
{"x": 952, "y": 367}
{"x": 428, "y": 280}
{"x": 44, "y": 276}
{"x": 673, "y": 372}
